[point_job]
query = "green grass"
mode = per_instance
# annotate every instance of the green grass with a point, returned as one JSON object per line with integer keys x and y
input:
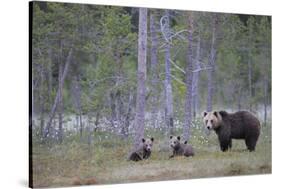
{"x": 105, "y": 161}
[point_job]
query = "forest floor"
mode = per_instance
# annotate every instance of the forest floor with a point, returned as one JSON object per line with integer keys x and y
{"x": 105, "y": 162}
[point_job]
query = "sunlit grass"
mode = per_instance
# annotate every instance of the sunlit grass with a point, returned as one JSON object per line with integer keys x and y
{"x": 105, "y": 160}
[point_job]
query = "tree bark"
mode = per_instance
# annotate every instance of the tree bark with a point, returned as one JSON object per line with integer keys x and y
{"x": 195, "y": 80}
{"x": 42, "y": 101}
{"x": 76, "y": 92}
{"x": 141, "y": 77}
{"x": 113, "y": 110}
{"x": 212, "y": 61}
{"x": 60, "y": 104}
{"x": 188, "y": 80}
{"x": 250, "y": 69}
{"x": 154, "y": 70}
{"x": 125, "y": 126}
{"x": 54, "y": 107}
{"x": 168, "y": 85}
{"x": 265, "y": 87}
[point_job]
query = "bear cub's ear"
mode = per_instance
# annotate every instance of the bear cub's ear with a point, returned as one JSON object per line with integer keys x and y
{"x": 143, "y": 140}
{"x": 204, "y": 113}
{"x": 152, "y": 139}
{"x": 171, "y": 137}
{"x": 179, "y": 138}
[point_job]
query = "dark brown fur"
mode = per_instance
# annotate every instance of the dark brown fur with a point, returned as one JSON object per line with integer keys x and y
{"x": 239, "y": 125}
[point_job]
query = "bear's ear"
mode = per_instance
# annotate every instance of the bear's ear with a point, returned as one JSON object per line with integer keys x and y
{"x": 152, "y": 139}
{"x": 185, "y": 142}
{"x": 143, "y": 140}
{"x": 179, "y": 138}
{"x": 171, "y": 137}
{"x": 216, "y": 113}
{"x": 223, "y": 113}
{"x": 204, "y": 113}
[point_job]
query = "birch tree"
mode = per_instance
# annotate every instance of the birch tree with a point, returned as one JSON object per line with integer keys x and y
{"x": 188, "y": 79}
{"x": 154, "y": 68}
{"x": 212, "y": 62}
{"x": 141, "y": 77}
{"x": 169, "y": 112}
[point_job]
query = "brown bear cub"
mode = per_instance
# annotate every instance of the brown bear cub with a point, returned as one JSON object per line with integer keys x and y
{"x": 238, "y": 125}
{"x": 180, "y": 149}
{"x": 144, "y": 150}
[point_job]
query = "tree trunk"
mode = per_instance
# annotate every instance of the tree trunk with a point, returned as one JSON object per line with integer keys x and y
{"x": 119, "y": 111}
{"x": 188, "y": 80}
{"x": 212, "y": 60}
{"x": 113, "y": 110}
{"x": 54, "y": 107}
{"x": 76, "y": 92}
{"x": 125, "y": 126}
{"x": 265, "y": 87}
{"x": 141, "y": 77}
{"x": 97, "y": 120}
{"x": 60, "y": 104}
{"x": 250, "y": 70}
{"x": 42, "y": 103}
{"x": 154, "y": 70}
{"x": 168, "y": 85}
{"x": 195, "y": 80}
{"x": 50, "y": 76}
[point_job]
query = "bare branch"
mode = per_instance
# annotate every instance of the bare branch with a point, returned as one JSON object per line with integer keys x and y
{"x": 176, "y": 66}
{"x": 178, "y": 80}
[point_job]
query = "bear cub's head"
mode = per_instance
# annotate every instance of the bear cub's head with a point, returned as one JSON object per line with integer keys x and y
{"x": 147, "y": 143}
{"x": 212, "y": 120}
{"x": 175, "y": 141}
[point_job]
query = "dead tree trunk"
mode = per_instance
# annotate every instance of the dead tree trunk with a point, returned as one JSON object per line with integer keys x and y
{"x": 195, "y": 80}
{"x": 141, "y": 77}
{"x": 188, "y": 80}
{"x": 168, "y": 85}
{"x": 212, "y": 60}
{"x": 154, "y": 69}
{"x": 54, "y": 107}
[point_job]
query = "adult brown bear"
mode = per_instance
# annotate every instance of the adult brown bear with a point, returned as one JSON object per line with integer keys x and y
{"x": 238, "y": 125}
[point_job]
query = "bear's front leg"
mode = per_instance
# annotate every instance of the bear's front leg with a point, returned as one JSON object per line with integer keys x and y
{"x": 173, "y": 155}
{"x": 224, "y": 144}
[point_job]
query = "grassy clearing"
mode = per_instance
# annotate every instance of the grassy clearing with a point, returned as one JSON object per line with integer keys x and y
{"x": 105, "y": 162}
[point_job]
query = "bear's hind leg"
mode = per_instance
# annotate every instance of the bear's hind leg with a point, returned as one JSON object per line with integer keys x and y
{"x": 251, "y": 144}
{"x": 230, "y": 144}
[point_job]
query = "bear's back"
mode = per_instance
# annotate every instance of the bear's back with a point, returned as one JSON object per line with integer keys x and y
{"x": 243, "y": 123}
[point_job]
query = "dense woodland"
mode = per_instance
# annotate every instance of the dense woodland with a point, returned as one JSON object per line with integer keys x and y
{"x": 125, "y": 70}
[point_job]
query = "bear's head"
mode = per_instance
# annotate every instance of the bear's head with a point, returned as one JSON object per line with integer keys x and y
{"x": 212, "y": 120}
{"x": 175, "y": 141}
{"x": 147, "y": 143}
